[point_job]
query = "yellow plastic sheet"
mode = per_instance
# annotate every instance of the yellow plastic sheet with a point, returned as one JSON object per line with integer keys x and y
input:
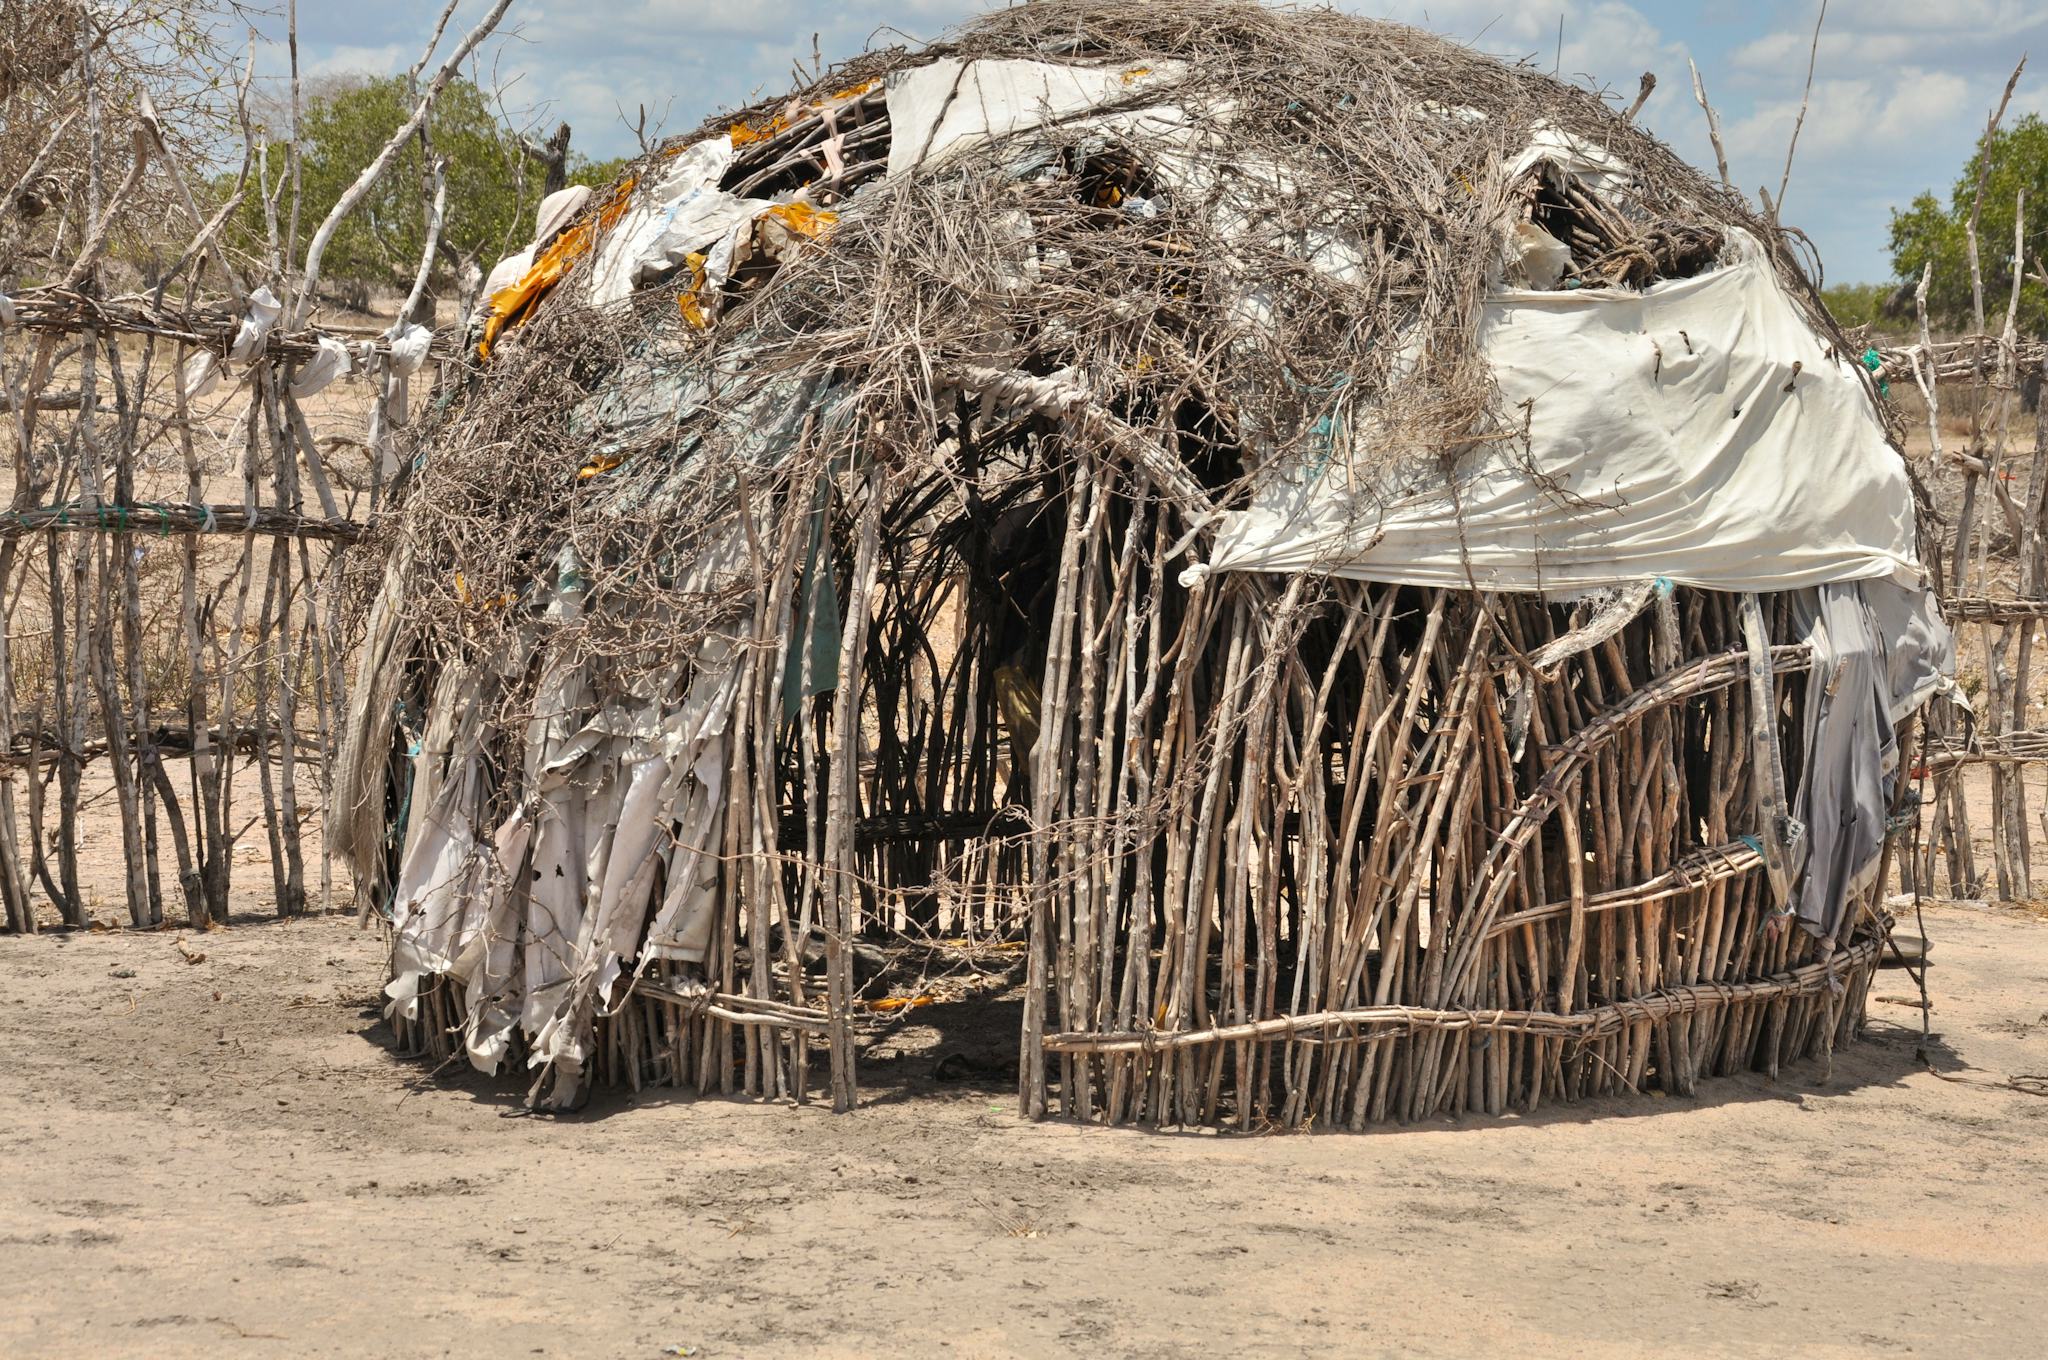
{"x": 690, "y": 300}
{"x": 603, "y": 463}
{"x": 811, "y": 223}
{"x": 1017, "y": 696}
{"x": 898, "y": 1003}
{"x": 511, "y": 306}
{"x": 744, "y": 132}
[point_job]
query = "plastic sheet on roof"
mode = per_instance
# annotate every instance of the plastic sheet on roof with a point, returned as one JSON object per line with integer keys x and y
{"x": 1698, "y": 431}
{"x": 950, "y": 104}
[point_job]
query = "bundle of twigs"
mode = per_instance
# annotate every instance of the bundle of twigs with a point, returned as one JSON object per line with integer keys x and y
{"x": 213, "y": 327}
{"x": 1968, "y": 358}
{"x": 164, "y": 518}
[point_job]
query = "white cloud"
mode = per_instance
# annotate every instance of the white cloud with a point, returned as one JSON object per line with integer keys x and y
{"x": 1605, "y": 40}
{"x": 385, "y": 60}
{"x": 1859, "y": 119}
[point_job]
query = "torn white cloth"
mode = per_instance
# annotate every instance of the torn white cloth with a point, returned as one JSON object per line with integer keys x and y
{"x": 264, "y": 310}
{"x": 329, "y": 361}
{"x": 409, "y": 350}
{"x": 539, "y": 919}
{"x": 698, "y": 755}
{"x": 1699, "y": 431}
{"x": 557, "y": 211}
{"x": 1920, "y": 652}
{"x": 1875, "y": 658}
{"x": 1594, "y": 166}
{"x": 445, "y": 862}
{"x": 503, "y": 275}
{"x": 683, "y": 213}
{"x": 1537, "y": 259}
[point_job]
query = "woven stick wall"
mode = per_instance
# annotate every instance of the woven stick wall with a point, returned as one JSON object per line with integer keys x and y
{"x": 1305, "y": 853}
{"x": 1992, "y": 564}
{"x": 1417, "y": 909}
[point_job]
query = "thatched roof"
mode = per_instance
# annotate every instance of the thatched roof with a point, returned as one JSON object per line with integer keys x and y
{"x": 1217, "y": 232}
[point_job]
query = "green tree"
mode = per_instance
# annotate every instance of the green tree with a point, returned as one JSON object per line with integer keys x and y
{"x": 1926, "y": 230}
{"x": 1857, "y": 304}
{"x": 493, "y": 186}
{"x": 597, "y": 174}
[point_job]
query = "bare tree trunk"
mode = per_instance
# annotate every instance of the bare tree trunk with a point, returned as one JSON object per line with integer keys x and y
{"x": 553, "y": 156}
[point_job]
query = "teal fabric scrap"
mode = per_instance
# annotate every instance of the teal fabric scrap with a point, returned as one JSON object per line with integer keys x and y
{"x": 818, "y": 622}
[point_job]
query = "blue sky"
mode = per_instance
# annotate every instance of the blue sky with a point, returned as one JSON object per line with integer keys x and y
{"x": 1901, "y": 91}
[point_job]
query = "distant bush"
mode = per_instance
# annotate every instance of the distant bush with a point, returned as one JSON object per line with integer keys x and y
{"x": 1858, "y": 304}
{"x": 1926, "y": 230}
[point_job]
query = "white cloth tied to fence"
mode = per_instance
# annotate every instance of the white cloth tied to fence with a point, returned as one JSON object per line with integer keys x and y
{"x": 409, "y": 349}
{"x": 264, "y": 310}
{"x": 329, "y": 361}
{"x": 201, "y": 374}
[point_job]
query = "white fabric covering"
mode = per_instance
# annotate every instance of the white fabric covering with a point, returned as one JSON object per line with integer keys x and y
{"x": 1677, "y": 437}
{"x": 201, "y": 375}
{"x": 1920, "y": 652}
{"x": 503, "y": 275}
{"x": 539, "y": 917}
{"x": 437, "y": 877}
{"x": 1873, "y": 655}
{"x": 558, "y": 210}
{"x": 1539, "y": 260}
{"x": 950, "y": 104}
{"x": 1594, "y": 166}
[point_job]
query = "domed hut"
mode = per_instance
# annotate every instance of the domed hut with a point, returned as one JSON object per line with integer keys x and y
{"x": 1379, "y": 582}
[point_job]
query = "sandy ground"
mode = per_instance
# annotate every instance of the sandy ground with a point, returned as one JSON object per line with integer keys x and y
{"x": 221, "y": 1158}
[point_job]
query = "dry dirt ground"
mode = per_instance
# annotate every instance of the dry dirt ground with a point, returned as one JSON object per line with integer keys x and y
{"x": 220, "y": 1158}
